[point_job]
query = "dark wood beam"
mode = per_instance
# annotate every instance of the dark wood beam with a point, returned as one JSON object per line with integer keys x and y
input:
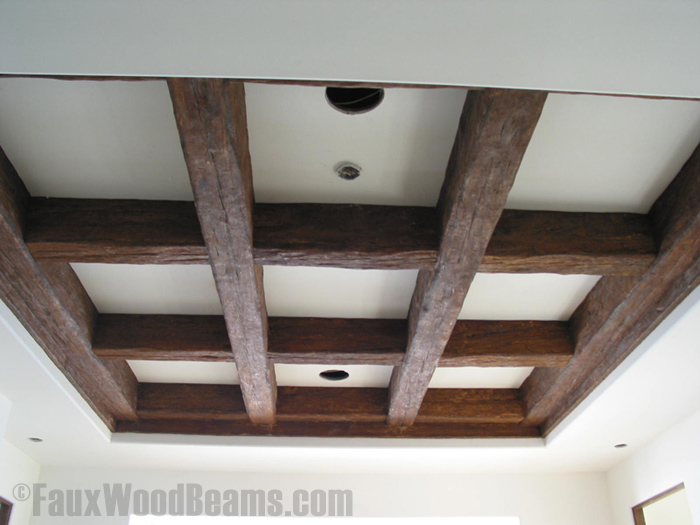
{"x": 53, "y": 306}
{"x": 343, "y": 236}
{"x": 448, "y": 405}
{"x": 492, "y": 136}
{"x": 328, "y": 412}
{"x": 211, "y": 119}
{"x": 620, "y": 312}
{"x": 295, "y": 340}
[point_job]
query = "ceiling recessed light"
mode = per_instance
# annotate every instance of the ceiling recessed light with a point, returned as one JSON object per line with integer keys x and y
{"x": 353, "y": 101}
{"x": 334, "y": 375}
{"x": 348, "y": 170}
{"x": 621, "y": 445}
{"x": 36, "y": 440}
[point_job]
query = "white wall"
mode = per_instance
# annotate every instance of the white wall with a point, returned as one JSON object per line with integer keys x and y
{"x": 538, "y": 499}
{"x": 670, "y": 459}
{"x": 15, "y": 467}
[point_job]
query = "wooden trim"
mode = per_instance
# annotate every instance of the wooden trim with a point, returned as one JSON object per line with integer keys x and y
{"x": 620, "y": 312}
{"x": 344, "y": 236}
{"x": 5, "y": 511}
{"x": 295, "y": 340}
{"x": 492, "y": 136}
{"x": 53, "y": 306}
{"x": 211, "y": 119}
{"x": 638, "y": 510}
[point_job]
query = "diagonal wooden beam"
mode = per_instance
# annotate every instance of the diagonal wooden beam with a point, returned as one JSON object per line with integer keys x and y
{"x": 211, "y": 119}
{"x": 296, "y": 340}
{"x": 53, "y": 306}
{"x": 343, "y": 236}
{"x": 493, "y": 134}
{"x": 620, "y": 312}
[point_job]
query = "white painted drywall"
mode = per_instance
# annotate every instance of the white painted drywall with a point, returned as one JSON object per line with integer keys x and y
{"x": 15, "y": 467}
{"x": 538, "y": 499}
{"x": 668, "y": 460}
{"x": 628, "y": 46}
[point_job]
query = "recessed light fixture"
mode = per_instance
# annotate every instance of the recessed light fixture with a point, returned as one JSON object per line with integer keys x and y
{"x": 621, "y": 445}
{"x": 353, "y": 101}
{"x": 334, "y": 375}
{"x": 36, "y": 440}
{"x": 348, "y": 170}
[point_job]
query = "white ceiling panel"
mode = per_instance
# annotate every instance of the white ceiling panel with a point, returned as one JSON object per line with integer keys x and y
{"x": 592, "y": 153}
{"x": 185, "y": 372}
{"x": 361, "y": 376}
{"x": 93, "y": 139}
{"x": 332, "y": 292}
{"x": 472, "y": 377}
{"x": 150, "y": 289}
{"x": 296, "y": 139}
{"x": 533, "y": 297}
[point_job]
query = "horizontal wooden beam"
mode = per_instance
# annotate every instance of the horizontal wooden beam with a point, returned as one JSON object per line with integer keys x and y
{"x": 346, "y": 236}
{"x": 327, "y": 412}
{"x": 620, "y": 312}
{"x": 331, "y": 341}
{"x": 225, "y": 402}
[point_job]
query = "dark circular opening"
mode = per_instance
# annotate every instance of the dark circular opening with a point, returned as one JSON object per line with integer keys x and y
{"x": 621, "y": 445}
{"x": 334, "y": 375}
{"x": 36, "y": 440}
{"x": 354, "y": 100}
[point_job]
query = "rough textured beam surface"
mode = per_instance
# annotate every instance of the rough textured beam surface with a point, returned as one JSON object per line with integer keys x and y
{"x": 620, "y": 312}
{"x": 55, "y": 309}
{"x": 493, "y": 133}
{"x": 211, "y": 119}
{"x": 344, "y": 236}
{"x": 294, "y": 340}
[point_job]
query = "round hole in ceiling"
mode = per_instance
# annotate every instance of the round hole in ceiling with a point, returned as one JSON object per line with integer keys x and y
{"x": 621, "y": 445}
{"x": 334, "y": 375}
{"x": 353, "y": 101}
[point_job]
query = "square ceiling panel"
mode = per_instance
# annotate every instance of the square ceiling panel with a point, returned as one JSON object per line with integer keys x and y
{"x": 185, "y": 372}
{"x": 604, "y": 154}
{"x": 472, "y": 377}
{"x": 402, "y": 146}
{"x": 111, "y": 140}
{"x": 525, "y": 297}
{"x": 333, "y": 292}
{"x": 150, "y": 289}
{"x": 359, "y": 376}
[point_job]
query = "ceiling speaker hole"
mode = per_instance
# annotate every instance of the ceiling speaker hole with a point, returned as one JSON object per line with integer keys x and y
{"x": 334, "y": 375}
{"x": 354, "y": 101}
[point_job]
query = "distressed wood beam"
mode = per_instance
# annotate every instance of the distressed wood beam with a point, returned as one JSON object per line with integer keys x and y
{"x": 344, "y": 236}
{"x": 294, "y": 340}
{"x": 211, "y": 119}
{"x": 53, "y": 306}
{"x": 620, "y": 312}
{"x": 328, "y": 412}
{"x": 493, "y": 133}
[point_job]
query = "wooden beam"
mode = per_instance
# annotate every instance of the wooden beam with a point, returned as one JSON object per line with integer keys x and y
{"x": 328, "y": 412}
{"x": 53, "y": 306}
{"x": 343, "y": 236}
{"x": 492, "y": 136}
{"x": 620, "y": 312}
{"x": 211, "y": 119}
{"x": 294, "y": 340}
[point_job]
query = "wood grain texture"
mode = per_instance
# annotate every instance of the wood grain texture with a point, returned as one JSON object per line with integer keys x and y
{"x": 183, "y": 401}
{"x": 295, "y": 340}
{"x": 492, "y": 136}
{"x": 211, "y": 119}
{"x": 342, "y": 236}
{"x": 53, "y": 306}
{"x": 620, "y": 312}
